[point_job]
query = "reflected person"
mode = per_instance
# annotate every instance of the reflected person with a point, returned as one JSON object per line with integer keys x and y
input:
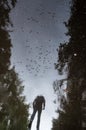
{"x": 38, "y": 106}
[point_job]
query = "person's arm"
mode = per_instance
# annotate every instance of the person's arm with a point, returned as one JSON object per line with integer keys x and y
{"x": 43, "y": 104}
{"x": 34, "y": 102}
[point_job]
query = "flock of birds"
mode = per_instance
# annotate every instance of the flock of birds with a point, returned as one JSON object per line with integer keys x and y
{"x": 41, "y": 62}
{"x": 39, "y": 58}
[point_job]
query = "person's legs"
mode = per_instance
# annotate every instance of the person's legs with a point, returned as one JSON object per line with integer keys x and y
{"x": 38, "y": 120}
{"x": 32, "y": 118}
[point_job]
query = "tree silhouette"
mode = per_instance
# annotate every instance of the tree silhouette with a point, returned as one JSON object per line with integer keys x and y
{"x": 13, "y": 110}
{"x": 5, "y": 42}
{"x": 72, "y": 58}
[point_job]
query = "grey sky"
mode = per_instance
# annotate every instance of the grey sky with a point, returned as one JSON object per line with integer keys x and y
{"x": 38, "y": 30}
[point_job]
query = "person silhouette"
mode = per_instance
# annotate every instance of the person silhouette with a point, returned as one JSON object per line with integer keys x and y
{"x": 38, "y": 106}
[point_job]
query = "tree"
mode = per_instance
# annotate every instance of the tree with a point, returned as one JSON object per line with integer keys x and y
{"x": 72, "y": 58}
{"x": 5, "y": 42}
{"x": 14, "y": 111}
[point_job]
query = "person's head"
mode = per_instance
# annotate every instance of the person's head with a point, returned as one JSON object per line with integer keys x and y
{"x": 40, "y": 95}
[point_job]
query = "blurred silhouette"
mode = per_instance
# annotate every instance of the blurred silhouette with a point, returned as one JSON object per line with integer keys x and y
{"x": 38, "y": 106}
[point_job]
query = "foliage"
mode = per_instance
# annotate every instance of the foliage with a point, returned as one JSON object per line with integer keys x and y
{"x": 72, "y": 58}
{"x": 5, "y": 42}
{"x": 5, "y": 8}
{"x": 14, "y": 112}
